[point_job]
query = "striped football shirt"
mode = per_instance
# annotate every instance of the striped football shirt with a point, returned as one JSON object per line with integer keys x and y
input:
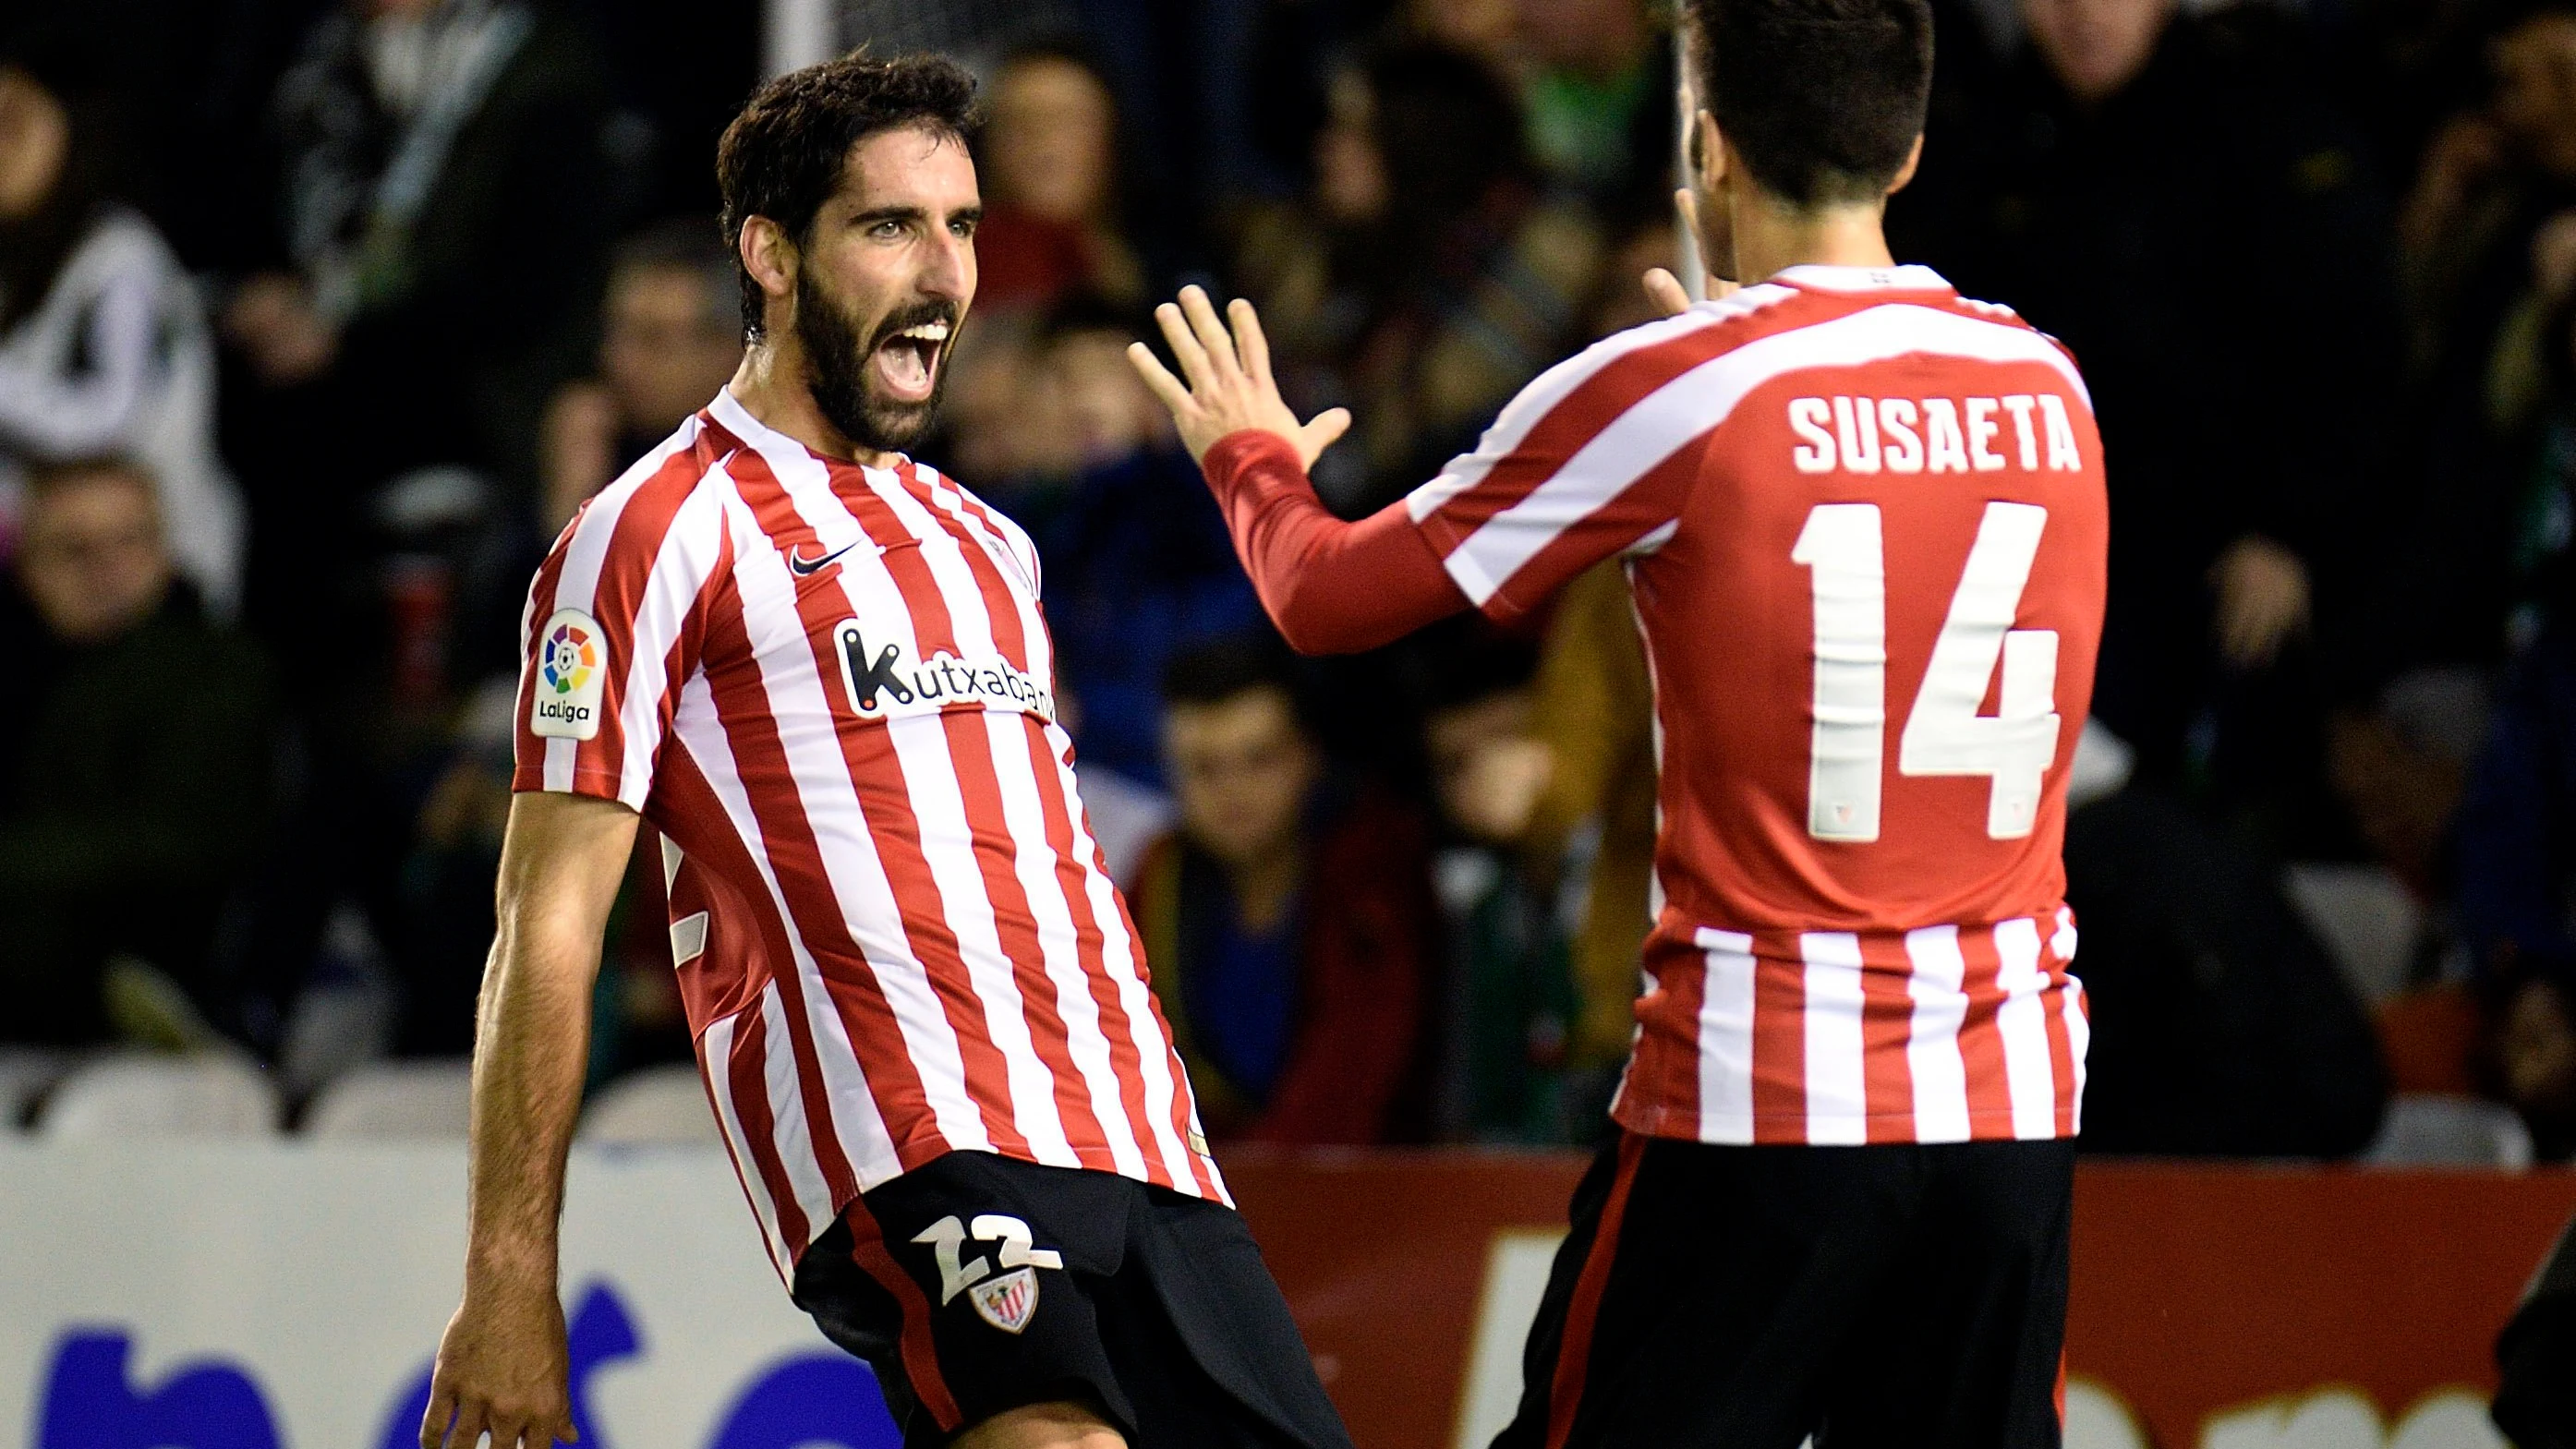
{"x": 829, "y": 690}
{"x": 1865, "y": 524}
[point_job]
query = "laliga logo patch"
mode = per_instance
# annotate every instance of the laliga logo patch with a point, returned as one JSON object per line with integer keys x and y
{"x": 1007, "y": 1302}
{"x": 569, "y": 678}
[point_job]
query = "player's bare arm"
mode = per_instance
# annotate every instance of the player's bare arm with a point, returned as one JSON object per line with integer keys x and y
{"x": 501, "y": 1366}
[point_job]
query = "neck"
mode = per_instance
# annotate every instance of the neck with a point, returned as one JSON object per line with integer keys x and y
{"x": 1263, "y": 887}
{"x": 1771, "y": 236}
{"x": 771, "y": 386}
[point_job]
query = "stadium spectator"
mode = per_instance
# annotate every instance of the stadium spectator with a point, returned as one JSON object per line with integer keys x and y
{"x": 1289, "y": 924}
{"x": 1512, "y": 1003}
{"x": 1439, "y": 279}
{"x": 134, "y": 758}
{"x": 671, "y": 334}
{"x": 442, "y": 211}
{"x": 103, "y": 345}
{"x": 2110, "y": 181}
{"x": 2515, "y": 868}
{"x": 1138, "y": 564}
{"x": 1598, "y": 93}
{"x": 1050, "y": 162}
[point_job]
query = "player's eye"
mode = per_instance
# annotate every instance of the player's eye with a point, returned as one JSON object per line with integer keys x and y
{"x": 886, "y": 230}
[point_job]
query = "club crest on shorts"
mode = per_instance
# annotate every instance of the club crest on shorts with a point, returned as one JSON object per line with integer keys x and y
{"x": 1007, "y": 1302}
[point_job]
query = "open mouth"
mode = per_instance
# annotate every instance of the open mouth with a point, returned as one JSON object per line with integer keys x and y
{"x": 907, "y": 362}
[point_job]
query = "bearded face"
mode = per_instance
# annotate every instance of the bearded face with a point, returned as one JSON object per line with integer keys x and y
{"x": 876, "y": 380}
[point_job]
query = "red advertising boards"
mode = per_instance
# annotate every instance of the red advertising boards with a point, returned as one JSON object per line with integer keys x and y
{"x": 2200, "y": 1292}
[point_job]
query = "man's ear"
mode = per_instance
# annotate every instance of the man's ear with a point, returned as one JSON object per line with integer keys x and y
{"x": 1711, "y": 144}
{"x": 769, "y": 257}
{"x": 1905, "y": 173}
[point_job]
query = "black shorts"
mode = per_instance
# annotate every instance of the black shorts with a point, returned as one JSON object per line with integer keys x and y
{"x": 977, "y": 1284}
{"x": 1885, "y": 1297}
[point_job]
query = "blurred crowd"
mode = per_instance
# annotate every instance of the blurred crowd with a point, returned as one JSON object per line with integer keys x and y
{"x": 319, "y": 318}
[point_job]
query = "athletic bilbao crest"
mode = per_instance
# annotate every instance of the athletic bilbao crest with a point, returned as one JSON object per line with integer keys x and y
{"x": 1007, "y": 1302}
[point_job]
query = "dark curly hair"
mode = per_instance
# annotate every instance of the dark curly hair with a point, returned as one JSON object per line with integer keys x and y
{"x": 782, "y": 157}
{"x": 1822, "y": 98}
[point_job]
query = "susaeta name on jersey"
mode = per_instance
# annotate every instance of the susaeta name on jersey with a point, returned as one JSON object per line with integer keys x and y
{"x": 1933, "y": 434}
{"x": 883, "y": 684}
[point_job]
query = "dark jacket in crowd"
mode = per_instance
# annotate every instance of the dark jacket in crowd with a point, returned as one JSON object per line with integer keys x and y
{"x": 134, "y": 787}
{"x": 2214, "y": 247}
{"x": 1361, "y": 953}
{"x": 2516, "y": 831}
{"x": 1138, "y": 567}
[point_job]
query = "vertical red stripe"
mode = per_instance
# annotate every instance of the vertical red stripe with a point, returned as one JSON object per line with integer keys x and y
{"x": 920, "y": 1351}
{"x": 1663, "y": 1072}
{"x": 1583, "y": 1309}
{"x": 747, "y": 1080}
{"x": 635, "y": 546}
{"x": 1779, "y": 1039}
{"x": 1093, "y": 946}
{"x": 877, "y": 778}
{"x": 1886, "y": 1025}
{"x": 1981, "y": 1039}
{"x": 2061, "y": 1050}
{"x": 1015, "y": 924}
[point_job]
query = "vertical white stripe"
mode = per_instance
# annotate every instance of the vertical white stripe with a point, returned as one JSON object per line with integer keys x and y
{"x": 1025, "y": 813}
{"x": 1725, "y": 1036}
{"x": 798, "y": 698}
{"x": 715, "y": 1051}
{"x": 1119, "y": 953}
{"x": 1938, "y": 986}
{"x": 789, "y": 1132}
{"x": 688, "y": 555}
{"x": 2079, "y": 1028}
{"x": 698, "y": 729}
{"x": 938, "y": 796}
{"x": 2022, "y": 1020}
{"x": 948, "y": 847}
{"x": 1837, "y": 1076}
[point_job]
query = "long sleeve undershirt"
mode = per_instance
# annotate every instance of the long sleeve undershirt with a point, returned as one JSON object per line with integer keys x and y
{"x": 1331, "y": 587}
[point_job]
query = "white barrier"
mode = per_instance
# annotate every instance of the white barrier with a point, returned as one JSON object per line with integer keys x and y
{"x": 289, "y": 1296}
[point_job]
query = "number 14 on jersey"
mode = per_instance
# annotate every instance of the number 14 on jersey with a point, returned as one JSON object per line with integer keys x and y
{"x": 1944, "y": 733}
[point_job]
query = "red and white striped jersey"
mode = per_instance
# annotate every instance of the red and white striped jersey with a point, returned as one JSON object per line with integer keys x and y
{"x": 1865, "y": 524}
{"x": 829, "y": 689}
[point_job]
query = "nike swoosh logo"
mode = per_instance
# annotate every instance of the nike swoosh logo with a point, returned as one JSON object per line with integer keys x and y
{"x": 803, "y": 567}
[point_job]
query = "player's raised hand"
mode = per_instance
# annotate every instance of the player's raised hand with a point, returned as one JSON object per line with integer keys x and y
{"x": 1230, "y": 387}
{"x": 502, "y": 1370}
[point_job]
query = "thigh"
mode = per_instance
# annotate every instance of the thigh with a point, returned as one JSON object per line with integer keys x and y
{"x": 1961, "y": 1349}
{"x": 971, "y": 1286}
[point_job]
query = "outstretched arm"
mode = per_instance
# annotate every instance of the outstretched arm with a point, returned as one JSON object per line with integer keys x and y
{"x": 1331, "y": 587}
{"x": 502, "y": 1365}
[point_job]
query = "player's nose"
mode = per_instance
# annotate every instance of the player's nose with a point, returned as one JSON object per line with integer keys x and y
{"x": 948, "y": 268}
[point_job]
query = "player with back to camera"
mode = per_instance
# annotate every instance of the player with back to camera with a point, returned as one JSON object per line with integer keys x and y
{"x": 1864, "y": 523}
{"x": 818, "y": 669}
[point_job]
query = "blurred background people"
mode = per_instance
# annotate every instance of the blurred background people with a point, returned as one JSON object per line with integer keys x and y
{"x": 104, "y": 347}
{"x": 1288, "y": 920}
{"x": 2176, "y": 197}
{"x": 670, "y": 338}
{"x": 134, "y": 767}
{"x": 1050, "y": 174}
{"x": 1430, "y": 276}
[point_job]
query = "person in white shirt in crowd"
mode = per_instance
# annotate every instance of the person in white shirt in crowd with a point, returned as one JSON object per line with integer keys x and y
{"x": 104, "y": 346}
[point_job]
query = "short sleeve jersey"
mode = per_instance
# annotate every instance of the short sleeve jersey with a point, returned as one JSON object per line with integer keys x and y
{"x": 830, "y": 691}
{"x": 1864, "y": 523}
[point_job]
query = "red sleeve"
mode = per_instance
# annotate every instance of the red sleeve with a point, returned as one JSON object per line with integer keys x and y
{"x": 1331, "y": 587}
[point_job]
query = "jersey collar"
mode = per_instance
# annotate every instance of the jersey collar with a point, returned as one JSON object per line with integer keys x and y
{"x": 736, "y": 419}
{"x": 1819, "y": 277}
